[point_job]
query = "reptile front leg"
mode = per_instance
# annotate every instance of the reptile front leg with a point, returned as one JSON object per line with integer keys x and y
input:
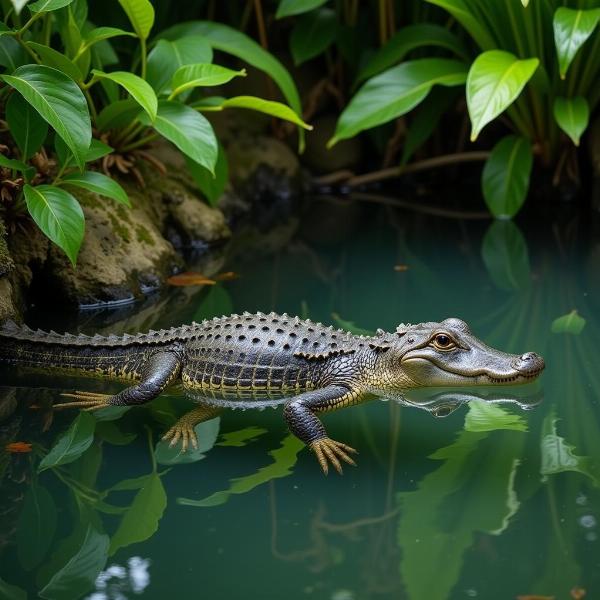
{"x": 299, "y": 413}
{"x": 184, "y": 428}
{"x": 158, "y": 372}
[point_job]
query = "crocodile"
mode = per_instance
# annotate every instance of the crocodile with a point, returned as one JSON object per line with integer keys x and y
{"x": 309, "y": 367}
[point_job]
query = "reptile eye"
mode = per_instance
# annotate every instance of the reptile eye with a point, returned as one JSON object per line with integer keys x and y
{"x": 443, "y": 342}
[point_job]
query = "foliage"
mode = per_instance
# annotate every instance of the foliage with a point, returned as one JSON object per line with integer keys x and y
{"x": 63, "y": 74}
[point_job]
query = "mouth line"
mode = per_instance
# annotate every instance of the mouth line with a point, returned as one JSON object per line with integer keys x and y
{"x": 512, "y": 378}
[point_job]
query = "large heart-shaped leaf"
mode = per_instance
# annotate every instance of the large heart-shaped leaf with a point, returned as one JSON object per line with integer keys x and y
{"x": 139, "y": 90}
{"x": 188, "y": 130}
{"x": 495, "y": 80}
{"x": 571, "y": 29}
{"x": 572, "y": 116}
{"x": 48, "y": 5}
{"x": 58, "y": 215}
{"x": 200, "y": 75}
{"x": 59, "y": 101}
{"x": 98, "y": 183}
{"x": 395, "y": 92}
{"x": 28, "y": 129}
{"x": 505, "y": 177}
{"x": 312, "y": 34}
{"x": 169, "y": 55}
{"x": 288, "y": 8}
{"x": 73, "y": 442}
{"x": 141, "y": 15}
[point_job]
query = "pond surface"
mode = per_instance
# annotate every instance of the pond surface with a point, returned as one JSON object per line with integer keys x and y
{"x": 491, "y": 501}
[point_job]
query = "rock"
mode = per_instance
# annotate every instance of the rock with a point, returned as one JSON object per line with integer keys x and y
{"x": 6, "y": 261}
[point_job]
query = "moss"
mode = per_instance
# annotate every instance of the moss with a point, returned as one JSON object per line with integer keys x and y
{"x": 143, "y": 235}
{"x": 6, "y": 262}
{"x": 119, "y": 228}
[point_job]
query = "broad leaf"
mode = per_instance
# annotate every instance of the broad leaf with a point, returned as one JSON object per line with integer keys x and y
{"x": 206, "y": 433}
{"x": 572, "y": 116}
{"x": 212, "y": 187}
{"x": 410, "y": 38}
{"x": 269, "y": 107}
{"x": 28, "y": 129}
{"x": 98, "y": 183}
{"x": 56, "y": 60}
{"x": 58, "y": 215}
{"x": 141, "y": 15}
{"x": 72, "y": 443}
{"x": 141, "y": 520}
{"x": 169, "y": 55}
{"x": 48, "y": 5}
{"x": 96, "y": 150}
{"x": 505, "y": 177}
{"x": 504, "y": 252}
{"x": 200, "y": 75}
{"x": 313, "y": 34}
{"x": 570, "y": 323}
{"x": 188, "y": 130}
{"x": 287, "y": 8}
{"x": 495, "y": 81}
{"x": 12, "y": 54}
{"x": 11, "y": 592}
{"x": 139, "y": 90}
{"x": 59, "y": 101}
{"x": 17, "y": 165}
{"x": 36, "y": 526}
{"x": 78, "y": 575}
{"x": 395, "y": 92}
{"x": 102, "y": 33}
{"x": 485, "y": 416}
{"x": 571, "y": 29}
{"x": 118, "y": 114}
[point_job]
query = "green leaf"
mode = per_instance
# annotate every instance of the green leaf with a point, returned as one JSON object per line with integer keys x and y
{"x": 287, "y": 8}
{"x": 284, "y": 459}
{"x": 570, "y": 323}
{"x": 505, "y": 177}
{"x": 17, "y": 165}
{"x": 72, "y": 443}
{"x": 495, "y": 80}
{"x": 206, "y": 432}
{"x": 56, "y": 60}
{"x": 12, "y": 55}
{"x": 269, "y": 107}
{"x": 216, "y": 303}
{"x": 139, "y": 89}
{"x": 240, "y": 438}
{"x": 96, "y": 150}
{"x": 168, "y": 56}
{"x": 504, "y": 252}
{"x": 312, "y": 34}
{"x": 18, "y": 5}
{"x": 188, "y": 130}
{"x": 199, "y": 75}
{"x": 102, "y": 33}
{"x": 572, "y": 116}
{"x": 141, "y": 520}
{"x": 571, "y": 29}
{"x": 395, "y": 92}
{"x": 350, "y": 326}
{"x": 118, "y": 114}
{"x": 26, "y": 126}
{"x": 48, "y": 5}
{"x": 59, "y": 101}
{"x": 485, "y": 416}
{"x": 135, "y": 483}
{"x": 78, "y": 575}
{"x": 11, "y": 592}
{"x": 407, "y": 39}
{"x": 227, "y": 39}
{"x": 109, "y": 432}
{"x": 36, "y": 526}
{"x": 98, "y": 183}
{"x": 141, "y": 15}
{"x": 211, "y": 186}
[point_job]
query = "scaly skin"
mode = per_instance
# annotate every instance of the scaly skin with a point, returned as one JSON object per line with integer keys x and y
{"x": 257, "y": 357}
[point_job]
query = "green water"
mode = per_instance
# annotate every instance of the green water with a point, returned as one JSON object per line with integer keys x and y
{"x": 490, "y": 502}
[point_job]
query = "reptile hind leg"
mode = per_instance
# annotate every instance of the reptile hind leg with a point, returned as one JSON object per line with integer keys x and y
{"x": 87, "y": 400}
{"x": 184, "y": 428}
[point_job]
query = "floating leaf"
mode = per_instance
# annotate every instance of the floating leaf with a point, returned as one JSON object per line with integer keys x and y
{"x": 572, "y": 116}
{"x": 189, "y": 278}
{"x": 206, "y": 433}
{"x": 496, "y": 78}
{"x": 485, "y": 416}
{"x": 240, "y": 438}
{"x": 312, "y": 34}
{"x": 571, "y": 29}
{"x": 505, "y": 176}
{"x": 570, "y": 323}
{"x": 98, "y": 183}
{"x": 110, "y": 432}
{"x": 288, "y": 8}
{"x": 141, "y": 15}
{"x": 188, "y": 77}
{"x": 72, "y": 443}
{"x": 141, "y": 520}
{"x": 36, "y": 526}
{"x": 18, "y": 447}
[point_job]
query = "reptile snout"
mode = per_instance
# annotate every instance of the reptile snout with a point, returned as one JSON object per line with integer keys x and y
{"x": 529, "y": 364}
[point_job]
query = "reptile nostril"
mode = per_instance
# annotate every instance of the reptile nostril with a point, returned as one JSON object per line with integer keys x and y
{"x": 528, "y": 356}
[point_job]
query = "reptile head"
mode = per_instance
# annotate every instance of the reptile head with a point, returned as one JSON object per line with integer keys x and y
{"x": 448, "y": 354}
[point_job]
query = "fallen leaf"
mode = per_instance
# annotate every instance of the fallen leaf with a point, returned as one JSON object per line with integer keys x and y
{"x": 190, "y": 278}
{"x": 227, "y": 276}
{"x": 578, "y": 593}
{"x": 400, "y": 268}
{"x": 18, "y": 447}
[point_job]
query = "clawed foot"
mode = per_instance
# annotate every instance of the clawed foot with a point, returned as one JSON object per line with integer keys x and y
{"x": 87, "y": 400}
{"x": 327, "y": 449}
{"x": 184, "y": 431}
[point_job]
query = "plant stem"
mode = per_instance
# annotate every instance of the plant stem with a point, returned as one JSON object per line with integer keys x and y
{"x": 382, "y": 22}
{"x": 56, "y": 180}
{"x": 91, "y": 105}
{"x": 260, "y": 21}
{"x": 130, "y": 133}
{"x": 141, "y": 142}
{"x": 143, "y": 58}
{"x": 25, "y": 47}
{"x": 29, "y": 23}
{"x": 151, "y": 448}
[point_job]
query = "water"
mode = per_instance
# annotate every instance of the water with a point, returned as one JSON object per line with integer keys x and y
{"x": 491, "y": 501}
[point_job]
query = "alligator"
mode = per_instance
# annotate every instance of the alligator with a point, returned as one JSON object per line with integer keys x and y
{"x": 314, "y": 368}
